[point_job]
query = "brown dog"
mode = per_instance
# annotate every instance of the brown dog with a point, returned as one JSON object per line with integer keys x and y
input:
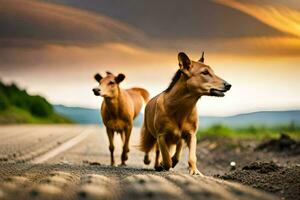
{"x": 171, "y": 116}
{"x": 119, "y": 109}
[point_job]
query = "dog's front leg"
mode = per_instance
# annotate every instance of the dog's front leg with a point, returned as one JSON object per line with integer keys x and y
{"x": 167, "y": 162}
{"x": 177, "y": 154}
{"x": 192, "y": 143}
{"x": 110, "y": 134}
{"x": 124, "y": 155}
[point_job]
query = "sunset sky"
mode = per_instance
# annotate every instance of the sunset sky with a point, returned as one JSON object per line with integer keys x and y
{"x": 54, "y": 47}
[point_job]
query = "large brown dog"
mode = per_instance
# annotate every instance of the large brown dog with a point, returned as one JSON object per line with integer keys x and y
{"x": 171, "y": 116}
{"x": 118, "y": 109}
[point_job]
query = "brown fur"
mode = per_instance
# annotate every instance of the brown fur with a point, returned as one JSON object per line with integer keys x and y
{"x": 118, "y": 109}
{"x": 171, "y": 117}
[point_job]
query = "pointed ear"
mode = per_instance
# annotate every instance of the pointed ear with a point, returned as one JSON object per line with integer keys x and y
{"x": 184, "y": 64}
{"x": 120, "y": 78}
{"x": 98, "y": 77}
{"x": 184, "y": 61}
{"x": 202, "y": 58}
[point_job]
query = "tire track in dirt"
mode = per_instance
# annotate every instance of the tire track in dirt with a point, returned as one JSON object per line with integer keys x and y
{"x": 94, "y": 149}
{"x": 210, "y": 188}
{"x": 8, "y": 133}
{"x": 95, "y": 186}
{"x": 31, "y": 142}
{"x": 151, "y": 187}
{"x": 62, "y": 147}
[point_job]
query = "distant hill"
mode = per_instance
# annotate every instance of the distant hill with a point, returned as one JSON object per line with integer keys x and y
{"x": 17, "y": 106}
{"x": 79, "y": 115}
{"x": 266, "y": 118}
{"x": 87, "y": 115}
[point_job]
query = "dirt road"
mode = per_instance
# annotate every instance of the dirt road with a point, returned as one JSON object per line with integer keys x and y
{"x": 71, "y": 162}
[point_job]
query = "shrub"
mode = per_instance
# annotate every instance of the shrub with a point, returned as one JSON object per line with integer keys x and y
{"x": 4, "y": 103}
{"x": 38, "y": 106}
{"x": 12, "y": 95}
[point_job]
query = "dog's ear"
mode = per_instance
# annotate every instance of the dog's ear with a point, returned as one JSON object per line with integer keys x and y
{"x": 120, "y": 78}
{"x": 202, "y": 58}
{"x": 184, "y": 63}
{"x": 98, "y": 77}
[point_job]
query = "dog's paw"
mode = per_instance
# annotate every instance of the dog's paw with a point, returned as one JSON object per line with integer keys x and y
{"x": 124, "y": 156}
{"x": 195, "y": 172}
{"x": 174, "y": 161}
{"x": 122, "y": 165}
{"x": 159, "y": 168}
{"x": 147, "y": 160}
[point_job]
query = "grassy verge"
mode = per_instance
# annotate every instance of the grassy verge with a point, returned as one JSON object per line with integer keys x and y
{"x": 17, "y": 106}
{"x": 253, "y": 131}
{"x": 14, "y": 115}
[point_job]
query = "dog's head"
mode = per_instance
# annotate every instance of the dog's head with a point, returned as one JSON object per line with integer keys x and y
{"x": 108, "y": 86}
{"x": 201, "y": 79}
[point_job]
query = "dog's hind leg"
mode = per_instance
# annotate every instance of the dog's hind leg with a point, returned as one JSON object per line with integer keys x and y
{"x": 147, "y": 144}
{"x": 157, "y": 165}
{"x": 122, "y": 134}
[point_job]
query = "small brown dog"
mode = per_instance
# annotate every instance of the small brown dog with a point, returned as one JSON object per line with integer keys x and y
{"x": 118, "y": 109}
{"x": 171, "y": 116}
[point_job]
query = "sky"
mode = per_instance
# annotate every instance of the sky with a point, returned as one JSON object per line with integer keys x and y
{"x": 54, "y": 47}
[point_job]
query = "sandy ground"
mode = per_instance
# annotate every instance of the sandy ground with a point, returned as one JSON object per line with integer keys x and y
{"x": 71, "y": 162}
{"x": 271, "y": 165}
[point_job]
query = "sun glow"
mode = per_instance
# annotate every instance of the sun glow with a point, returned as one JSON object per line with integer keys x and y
{"x": 280, "y": 17}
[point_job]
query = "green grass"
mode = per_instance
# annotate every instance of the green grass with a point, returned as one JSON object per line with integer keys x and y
{"x": 17, "y": 106}
{"x": 251, "y": 131}
{"x": 14, "y": 115}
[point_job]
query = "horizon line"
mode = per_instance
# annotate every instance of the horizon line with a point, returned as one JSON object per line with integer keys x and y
{"x": 200, "y": 115}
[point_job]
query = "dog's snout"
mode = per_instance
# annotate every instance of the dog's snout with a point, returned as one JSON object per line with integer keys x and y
{"x": 227, "y": 86}
{"x": 96, "y": 91}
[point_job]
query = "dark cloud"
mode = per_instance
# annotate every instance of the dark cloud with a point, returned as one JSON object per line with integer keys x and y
{"x": 173, "y": 19}
{"x": 27, "y": 20}
{"x": 77, "y": 22}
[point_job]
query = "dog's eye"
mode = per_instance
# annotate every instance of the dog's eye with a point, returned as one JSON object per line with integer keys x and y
{"x": 206, "y": 72}
{"x": 111, "y": 83}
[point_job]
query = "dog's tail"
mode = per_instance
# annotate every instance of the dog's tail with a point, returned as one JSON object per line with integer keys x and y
{"x": 144, "y": 93}
{"x": 147, "y": 141}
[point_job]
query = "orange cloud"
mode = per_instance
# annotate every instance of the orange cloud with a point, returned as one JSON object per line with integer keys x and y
{"x": 280, "y": 17}
{"x": 129, "y": 55}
